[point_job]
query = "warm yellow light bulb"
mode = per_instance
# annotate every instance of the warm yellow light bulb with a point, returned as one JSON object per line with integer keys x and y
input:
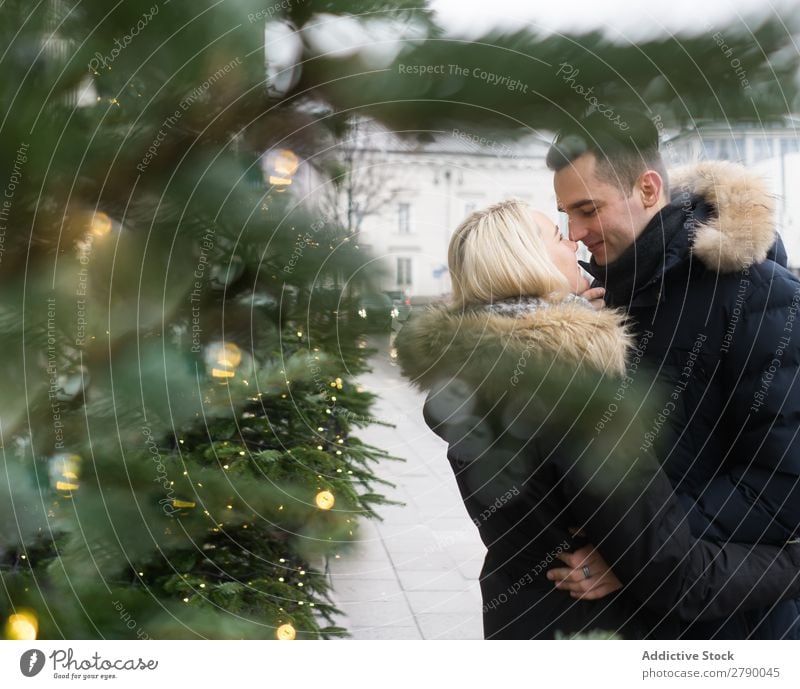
{"x": 286, "y": 632}
{"x": 101, "y": 224}
{"x": 285, "y": 162}
{"x": 22, "y": 626}
{"x": 325, "y": 500}
{"x": 229, "y": 354}
{"x": 64, "y": 469}
{"x": 282, "y": 164}
{"x": 224, "y": 357}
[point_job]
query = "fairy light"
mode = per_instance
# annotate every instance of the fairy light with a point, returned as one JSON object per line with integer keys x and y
{"x": 224, "y": 357}
{"x": 100, "y": 224}
{"x": 286, "y": 632}
{"x": 64, "y": 470}
{"x": 282, "y": 164}
{"x": 324, "y": 500}
{"x": 22, "y": 626}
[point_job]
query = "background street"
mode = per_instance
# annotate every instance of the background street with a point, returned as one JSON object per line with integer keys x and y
{"x": 414, "y": 575}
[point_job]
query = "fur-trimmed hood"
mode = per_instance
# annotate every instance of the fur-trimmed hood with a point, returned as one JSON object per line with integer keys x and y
{"x": 743, "y": 229}
{"x": 488, "y": 344}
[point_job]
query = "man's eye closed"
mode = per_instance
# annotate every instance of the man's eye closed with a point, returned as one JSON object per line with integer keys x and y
{"x": 589, "y": 213}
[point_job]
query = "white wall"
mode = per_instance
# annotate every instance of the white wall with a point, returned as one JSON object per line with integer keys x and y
{"x": 438, "y": 203}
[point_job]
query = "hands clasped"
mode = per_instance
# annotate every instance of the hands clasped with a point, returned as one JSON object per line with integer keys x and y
{"x": 587, "y": 575}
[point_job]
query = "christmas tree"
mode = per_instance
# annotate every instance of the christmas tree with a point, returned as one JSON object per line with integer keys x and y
{"x": 179, "y": 402}
{"x": 177, "y": 429}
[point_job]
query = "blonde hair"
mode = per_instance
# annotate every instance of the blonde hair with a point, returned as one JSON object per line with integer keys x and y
{"x": 499, "y": 252}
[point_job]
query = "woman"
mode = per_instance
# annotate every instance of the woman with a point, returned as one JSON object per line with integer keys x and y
{"x": 525, "y": 383}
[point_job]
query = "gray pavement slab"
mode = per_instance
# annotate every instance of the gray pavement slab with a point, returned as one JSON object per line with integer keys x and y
{"x": 413, "y": 575}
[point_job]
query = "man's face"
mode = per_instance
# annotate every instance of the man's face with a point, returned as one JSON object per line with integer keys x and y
{"x": 600, "y": 215}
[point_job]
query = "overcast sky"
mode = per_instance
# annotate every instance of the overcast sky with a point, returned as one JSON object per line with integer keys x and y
{"x": 631, "y": 19}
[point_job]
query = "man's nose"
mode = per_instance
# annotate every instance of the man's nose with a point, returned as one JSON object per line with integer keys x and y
{"x": 576, "y": 231}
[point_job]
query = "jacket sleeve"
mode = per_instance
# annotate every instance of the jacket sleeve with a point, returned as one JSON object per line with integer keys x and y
{"x": 630, "y": 513}
{"x": 615, "y": 489}
{"x": 755, "y": 496}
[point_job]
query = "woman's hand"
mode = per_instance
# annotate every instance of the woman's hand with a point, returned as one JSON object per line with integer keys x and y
{"x": 601, "y": 580}
{"x": 594, "y": 295}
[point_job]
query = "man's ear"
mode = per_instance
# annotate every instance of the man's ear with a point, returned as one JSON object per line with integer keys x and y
{"x": 650, "y": 187}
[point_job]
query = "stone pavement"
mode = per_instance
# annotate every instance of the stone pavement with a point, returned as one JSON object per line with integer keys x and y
{"x": 415, "y": 574}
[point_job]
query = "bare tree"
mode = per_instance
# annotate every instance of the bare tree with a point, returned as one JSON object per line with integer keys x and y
{"x": 364, "y": 186}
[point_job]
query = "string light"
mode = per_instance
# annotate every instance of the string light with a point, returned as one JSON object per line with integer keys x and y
{"x": 64, "y": 470}
{"x": 100, "y": 225}
{"x": 282, "y": 164}
{"x": 325, "y": 500}
{"x": 286, "y": 632}
{"x": 223, "y": 358}
{"x": 22, "y": 626}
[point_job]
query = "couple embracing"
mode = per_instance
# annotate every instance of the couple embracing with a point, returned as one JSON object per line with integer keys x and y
{"x": 660, "y": 500}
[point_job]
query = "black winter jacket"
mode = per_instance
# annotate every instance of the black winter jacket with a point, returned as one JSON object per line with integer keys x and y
{"x": 540, "y": 440}
{"x": 719, "y": 322}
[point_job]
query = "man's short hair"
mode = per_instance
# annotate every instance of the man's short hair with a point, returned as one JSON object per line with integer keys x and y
{"x": 623, "y": 151}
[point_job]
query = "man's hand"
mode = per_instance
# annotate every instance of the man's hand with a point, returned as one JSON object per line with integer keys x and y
{"x": 601, "y": 580}
{"x": 594, "y": 295}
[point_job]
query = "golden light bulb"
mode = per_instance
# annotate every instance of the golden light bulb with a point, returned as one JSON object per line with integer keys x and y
{"x": 325, "y": 500}
{"x": 282, "y": 164}
{"x": 223, "y": 357}
{"x": 64, "y": 469}
{"x": 23, "y": 626}
{"x": 285, "y": 162}
{"x": 229, "y": 355}
{"x": 286, "y": 632}
{"x": 101, "y": 224}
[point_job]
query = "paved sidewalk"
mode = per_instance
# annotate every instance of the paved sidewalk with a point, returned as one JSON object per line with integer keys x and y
{"x": 414, "y": 575}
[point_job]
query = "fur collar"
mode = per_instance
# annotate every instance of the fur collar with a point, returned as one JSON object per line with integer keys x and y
{"x": 743, "y": 229}
{"x": 485, "y": 344}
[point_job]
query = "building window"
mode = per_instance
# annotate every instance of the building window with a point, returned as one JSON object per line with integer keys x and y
{"x": 726, "y": 149}
{"x": 403, "y": 272}
{"x": 789, "y": 146}
{"x": 404, "y": 218}
{"x": 762, "y": 148}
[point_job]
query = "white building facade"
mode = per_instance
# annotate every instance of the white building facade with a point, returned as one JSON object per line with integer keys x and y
{"x": 772, "y": 151}
{"x": 420, "y": 193}
{"x": 433, "y": 190}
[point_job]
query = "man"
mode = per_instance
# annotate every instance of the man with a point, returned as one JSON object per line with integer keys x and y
{"x": 702, "y": 276}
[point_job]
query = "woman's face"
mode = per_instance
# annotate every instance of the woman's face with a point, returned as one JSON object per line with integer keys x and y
{"x": 562, "y": 253}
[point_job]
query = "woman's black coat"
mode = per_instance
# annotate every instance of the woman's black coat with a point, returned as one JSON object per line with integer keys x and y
{"x": 541, "y": 440}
